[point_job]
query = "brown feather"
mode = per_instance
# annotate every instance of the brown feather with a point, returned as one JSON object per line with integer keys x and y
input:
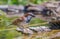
{"x": 15, "y": 22}
{"x": 18, "y": 20}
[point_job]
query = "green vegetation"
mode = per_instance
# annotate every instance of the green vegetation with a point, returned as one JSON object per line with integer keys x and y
{"x": 38, "y": 1}
{"x": 4, "y": 25}
{"x": 4, "y": 21}
{"x": 36, "y": 21}
{"x": 6, "y": 31}
{"x": 3, "y": 2}
{"x": 9, "y": 34}
{"x": 15, "y": 2}
{"x": 23, "y": 2}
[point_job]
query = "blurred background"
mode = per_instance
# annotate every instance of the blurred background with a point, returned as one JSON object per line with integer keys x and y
{"x": 12, "y": 9}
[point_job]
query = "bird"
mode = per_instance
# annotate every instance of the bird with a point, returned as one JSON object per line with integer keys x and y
{"x": 22, "y": 23}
